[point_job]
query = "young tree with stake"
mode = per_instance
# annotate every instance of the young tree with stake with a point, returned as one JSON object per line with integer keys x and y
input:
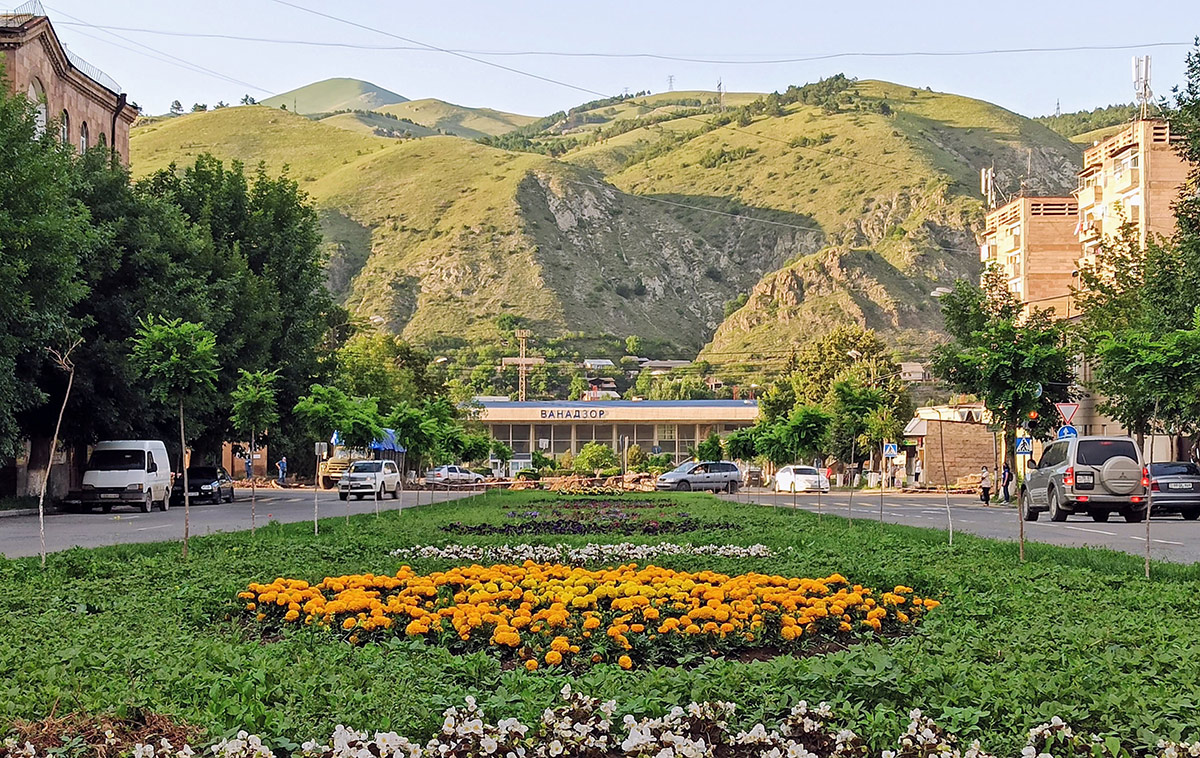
{"x": 254, "y": 409}
{"x": 179, "y": 360}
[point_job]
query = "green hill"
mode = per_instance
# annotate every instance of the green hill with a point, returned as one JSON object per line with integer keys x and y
{"x": 744, "y": 230}
{"x": 334, "y": 95}
{"x": 377, "y": 124}
{"x": 459, "y": 120}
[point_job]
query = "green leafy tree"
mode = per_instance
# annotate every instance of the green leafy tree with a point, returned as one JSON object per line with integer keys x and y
{"x": 476, "y": 447}
{"x": 388, "y": 368}
{"x": 178, "y": 359}
{"x": 635, "y": 458}
{"x": 740, "y": 445}
{"x": 711, "y": 448}
{"x": 595, "y": 457}
{"x": 633, "y": 345}
{"x": 43, "y": 232}
{"x": 176, "y": 108}
{"x": 254, "y": 409}
{"x": 415, "y": 430}
{"x": 502, "y": 453}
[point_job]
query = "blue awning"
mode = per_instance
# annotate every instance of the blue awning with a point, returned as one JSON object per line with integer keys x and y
{"x": 387, "y": 443}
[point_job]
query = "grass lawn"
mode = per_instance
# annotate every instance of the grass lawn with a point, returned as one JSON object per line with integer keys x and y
{"x": 1073, "y": 633}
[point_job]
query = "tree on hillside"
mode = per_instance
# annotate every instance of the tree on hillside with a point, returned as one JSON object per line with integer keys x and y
{"x": 176, "y": 108}
{"x": 254, "y": 409}
{"x": 178, "y": 359}
{"x": 199, "y": 108}
{"x": 43, "y": 233}
{"x": 247, "y": 100}
{"x": 1016, "y": 364}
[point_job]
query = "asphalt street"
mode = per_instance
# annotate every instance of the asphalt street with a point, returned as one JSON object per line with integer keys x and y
{"x": 19, "y": 534}
{"x": 1171, "y": 538}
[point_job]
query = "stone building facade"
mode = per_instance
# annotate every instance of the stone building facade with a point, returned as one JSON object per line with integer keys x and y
{"x": 84, "y": 105}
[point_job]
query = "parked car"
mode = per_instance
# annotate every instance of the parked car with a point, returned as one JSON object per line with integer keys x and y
{"x": 705, "y": 475}
{"x": 124, "y": 472}
{"x": 1094, "y": 475}
{"x": 800, "y": 479}
{"x": 452, "y": 475}
{"x": 211, "y": 483}
{"x": 364, "y": 478}
{"x": 1175, "y": 488}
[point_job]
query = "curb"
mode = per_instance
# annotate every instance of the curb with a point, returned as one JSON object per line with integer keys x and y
{"x": 21, "y": 512}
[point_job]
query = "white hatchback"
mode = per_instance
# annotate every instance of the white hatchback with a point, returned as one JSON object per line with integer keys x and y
{"x": 800, "y": 479}
{"x": 452, "y": 475}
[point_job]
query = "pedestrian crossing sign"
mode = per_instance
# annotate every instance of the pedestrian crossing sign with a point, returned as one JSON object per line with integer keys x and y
{"x": 1024, "y": 446}
{"x": 890, "y": 450}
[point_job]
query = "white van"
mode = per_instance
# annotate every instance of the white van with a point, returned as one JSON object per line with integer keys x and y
{"x": 125, "y": 472}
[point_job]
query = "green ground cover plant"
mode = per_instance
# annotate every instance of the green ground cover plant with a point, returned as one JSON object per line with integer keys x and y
{"x": 1072, "y": 633}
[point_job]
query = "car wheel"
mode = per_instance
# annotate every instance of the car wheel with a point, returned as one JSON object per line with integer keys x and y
{"x": 342, "y": 496}
{"x": 1134, "y": 515}
{"x": 1027, "y": 511}
{"x": 731, "y": 487}
{"x": 1190, "y": 515}
{"x": 165, "y": 505}
{"x": 1099, "y": 516}
{"x": 1056, "y": 511}
{"x": 683, "y": 487}
{"x": 379, "y": 495}
{"x": 148, "y": 503}
{"x": 396, "y": 491}
{"x": 232, "y": 494}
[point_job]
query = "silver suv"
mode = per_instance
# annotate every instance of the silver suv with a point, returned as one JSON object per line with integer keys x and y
{"x": 1093, "y": 475}
{"x": 705, "y": 475}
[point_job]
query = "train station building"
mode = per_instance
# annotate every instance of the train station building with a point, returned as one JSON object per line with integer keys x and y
{"x": 656, "y": 426}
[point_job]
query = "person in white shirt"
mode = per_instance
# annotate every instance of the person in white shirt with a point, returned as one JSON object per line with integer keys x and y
{"x": 985, "y": 486}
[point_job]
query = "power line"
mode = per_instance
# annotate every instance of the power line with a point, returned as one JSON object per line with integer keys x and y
{"x": 159, "y": 55}
{"x": 748, "y": 59}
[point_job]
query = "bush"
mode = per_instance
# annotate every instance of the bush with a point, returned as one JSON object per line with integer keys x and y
{"x": 596, "y": 456}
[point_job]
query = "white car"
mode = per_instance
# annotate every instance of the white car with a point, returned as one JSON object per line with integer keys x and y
{"x": 125, "y": 472}
{"x": 800, "y": 479}
{"x": 452, "y": 475}
{"x": 364, "y": 478}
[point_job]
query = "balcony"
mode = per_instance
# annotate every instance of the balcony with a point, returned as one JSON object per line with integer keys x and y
{"x": 1090, "y": 196}
{"x": 1127, "y": 180}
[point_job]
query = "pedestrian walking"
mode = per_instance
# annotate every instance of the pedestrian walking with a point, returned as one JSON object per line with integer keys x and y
{"x": 917, "y": 473}
{"x": 985, "y": 486}
{"x": 282, "y": 466}
{"x": 249, "y": 466}
{"x": 1006, "y": 478}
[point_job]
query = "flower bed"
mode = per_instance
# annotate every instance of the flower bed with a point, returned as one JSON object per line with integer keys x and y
{"x": 556, "y": 615}
{"x": 626, "y": 525}
{"x": 593, "y": 552}
{"x": 584, "y": 727}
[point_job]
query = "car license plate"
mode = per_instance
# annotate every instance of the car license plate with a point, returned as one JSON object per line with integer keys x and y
{"x": 111, "y": 495}
{"x": 1085, "y": 479}
{"x": 1179, "y": 485}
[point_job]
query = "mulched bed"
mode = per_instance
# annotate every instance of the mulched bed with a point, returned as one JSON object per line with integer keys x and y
{"x": 85, "y": 734}
{"x": 628, "y": 527}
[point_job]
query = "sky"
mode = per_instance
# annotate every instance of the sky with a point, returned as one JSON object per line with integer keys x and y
{"x": 739, "y": 35}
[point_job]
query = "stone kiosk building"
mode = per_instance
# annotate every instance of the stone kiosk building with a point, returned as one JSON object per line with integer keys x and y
{"x": 86, "y": 105}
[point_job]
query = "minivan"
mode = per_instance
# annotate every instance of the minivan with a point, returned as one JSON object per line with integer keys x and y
{"x": 704, "y": 475}
{"x": 1093, "y": 475}
{"x": 125, "y": 472}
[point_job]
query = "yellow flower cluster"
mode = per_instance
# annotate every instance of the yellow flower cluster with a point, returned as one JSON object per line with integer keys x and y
{"x": 558, "y": 615}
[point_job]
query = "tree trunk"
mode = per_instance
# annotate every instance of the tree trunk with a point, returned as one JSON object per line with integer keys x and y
{"x": 37, "y": 470}
{"x": 49, "y": 463}
{"x": 187, "y": 501}
{"x": 850, "y": 502}
{"x": 253, "y": 489}
{"x": 1010, "y": 455}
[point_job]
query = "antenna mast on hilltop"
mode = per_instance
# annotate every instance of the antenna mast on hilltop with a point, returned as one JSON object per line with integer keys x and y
{"x": 987, "y": 185}
{"x": 1057, "y": 108}
{"x": 1141, "y": 84}
{"x": 670, "y": 82}
{"x": 721, "y": 93}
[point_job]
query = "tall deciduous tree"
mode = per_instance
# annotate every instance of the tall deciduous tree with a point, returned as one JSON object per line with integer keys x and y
{"x": 179, "y": 361}
{"x": 254, "y": 409}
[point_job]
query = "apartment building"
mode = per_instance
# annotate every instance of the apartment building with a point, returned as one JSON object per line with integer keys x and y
{"x": 1133, "y": 176}
{"x": 1032, "y": 241}
{"x": 87, "y": 106}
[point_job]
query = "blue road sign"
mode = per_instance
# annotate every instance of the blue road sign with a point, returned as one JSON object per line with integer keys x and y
{"x": 890, "y": 450}
{"x": 1067, "y": 432}
{"x": 1024, "y": 446}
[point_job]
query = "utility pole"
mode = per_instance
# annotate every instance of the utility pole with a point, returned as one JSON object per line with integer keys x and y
{"x": 721, "y": 93}
{"x": 670, "y": 82}
{"x": 522, "y": 336}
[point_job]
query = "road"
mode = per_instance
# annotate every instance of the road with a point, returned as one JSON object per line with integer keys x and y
{"x": 1171, "y": 538}
{"x": 19, "y": 534}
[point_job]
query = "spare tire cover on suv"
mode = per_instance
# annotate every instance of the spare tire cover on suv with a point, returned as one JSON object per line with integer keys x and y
{"x": 1120, "y": 475}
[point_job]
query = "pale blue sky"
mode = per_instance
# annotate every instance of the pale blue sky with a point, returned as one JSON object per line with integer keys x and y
{"x": 1028, "y": 83}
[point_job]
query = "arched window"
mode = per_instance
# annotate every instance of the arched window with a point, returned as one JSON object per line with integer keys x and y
{"x": 83, "y": 137}
{"x": 64, "y": 128}
{"x": 37, "y": 96}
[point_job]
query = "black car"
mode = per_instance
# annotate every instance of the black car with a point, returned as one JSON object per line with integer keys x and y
{"x": 1175, "y": 488}
{"x": 205, "y": 483}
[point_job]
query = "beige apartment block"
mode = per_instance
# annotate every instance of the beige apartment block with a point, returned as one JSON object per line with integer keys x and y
{"x": 1032, "y": 241}
{"x": 86, "y": 105}
{"x": 1133, "y": 176}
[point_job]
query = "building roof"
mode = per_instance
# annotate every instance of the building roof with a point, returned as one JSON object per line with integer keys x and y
{"x": 20, "y": 21}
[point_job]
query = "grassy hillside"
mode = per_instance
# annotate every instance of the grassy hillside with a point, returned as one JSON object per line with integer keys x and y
{"x": 1075, "y": 124}
{"x": 377, "y": 124}
{"x": 335, "y": 95}
{"x": 459, "y": 120}
{"x": 837, "y": 202}
{"x": 1088, "y": 138}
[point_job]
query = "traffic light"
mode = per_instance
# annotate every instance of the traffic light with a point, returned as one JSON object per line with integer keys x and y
{"x": 1033, "y": 415}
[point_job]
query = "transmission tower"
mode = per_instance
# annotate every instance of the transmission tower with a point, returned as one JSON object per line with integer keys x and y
{"x": 670, "y": 82}
{"x": 1141, "y": 85}
{"x": 522, "y": 336}
{"x": 1057, "y": 108}
{"x": 721, "y": 93}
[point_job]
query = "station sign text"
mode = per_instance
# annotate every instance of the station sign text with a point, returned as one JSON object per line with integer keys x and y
{"x": 571, "y": 413}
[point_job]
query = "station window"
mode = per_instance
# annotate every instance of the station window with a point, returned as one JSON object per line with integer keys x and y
{"x": 666, "y": 432}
